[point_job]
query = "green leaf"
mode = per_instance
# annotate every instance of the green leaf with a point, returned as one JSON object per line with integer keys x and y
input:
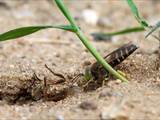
{"x": 23, "y": 31}
{"x": 134, "y": 10}
{"x": 66, "y": 13}
{"x": 105, "y": 36}
{"x": 153, "y": 29}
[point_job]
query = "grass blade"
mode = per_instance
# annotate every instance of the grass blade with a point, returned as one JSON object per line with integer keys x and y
{"x": 134, "y": 10}
{"x": 66, "y": 13}
{"x": 86, "y": 42}
{"x": 153, "y": 29}
{"x": 103, "y": 36}
{"x": 23, "y": 31}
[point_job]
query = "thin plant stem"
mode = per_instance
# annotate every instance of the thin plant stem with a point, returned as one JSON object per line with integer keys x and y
{"x": 98, "y": 57}
{"x": 66, "y": 13}
{"x": 86, "y": 42}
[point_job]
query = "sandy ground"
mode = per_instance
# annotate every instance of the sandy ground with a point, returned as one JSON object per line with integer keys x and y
{"x": 29, "y": 91}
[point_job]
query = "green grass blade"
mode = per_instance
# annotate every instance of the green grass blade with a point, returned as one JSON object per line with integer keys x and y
{"x": 66, "y": 13}
{"x": 134, "y": 10}
{"x": 102, "y": 36}
{"x": 23, "y": 31}
{"x": 86, "y": 42}
{"x": 153, "y": 29}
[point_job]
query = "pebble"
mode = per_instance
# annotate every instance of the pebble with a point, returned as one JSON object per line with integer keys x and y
{"x": 118, "y": 81}
{"x": 106, "y": 93}
{"x": 86, "y": 63}
{"x": 90, "y": 16}
{"x": 11, "y": 66}
{"x": 88, "y": 106}
{"x": 109, "y": 93}
{"x": 114, "y": 112}
{"x": 116, "y": 117}
{"x": 59, "y": 117}
{"x": 115, "y": 39}
{"x": 104, "y": 22}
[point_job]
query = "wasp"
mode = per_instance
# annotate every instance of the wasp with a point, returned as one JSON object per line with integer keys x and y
{"x": 99, "y": 73}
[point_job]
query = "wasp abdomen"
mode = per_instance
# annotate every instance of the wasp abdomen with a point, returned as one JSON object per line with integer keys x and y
{"x": 117, "y": 56}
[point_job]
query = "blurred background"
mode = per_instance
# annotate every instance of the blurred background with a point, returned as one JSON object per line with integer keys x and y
{"x": 91, "y": 15}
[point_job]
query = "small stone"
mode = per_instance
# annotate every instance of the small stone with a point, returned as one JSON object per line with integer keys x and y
{"x": 114, "y": 82}
{"x": 120, "y": 117}
{"x": 90, "y": 16}
{"x": 105, "y": 93}
{"x": 88, "y": 106}
{"x": 86, "y": 63}
{"x": 115, "y": 111}
{"x": 104, "y": 22}
{"x": 11, "y": 66}
{"x": 57, "y": 55}
{"x": 115, "y": 39}
{"x": 118, "y": 81}
{"x": 109, "y": 93}
{"x": 59, "y": 117}
{"x": 114, "y": 115}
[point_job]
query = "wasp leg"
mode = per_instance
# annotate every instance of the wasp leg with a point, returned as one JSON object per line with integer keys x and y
{"x": 105, "y": 80}
{"x": 63, "y": 79}
{"x": 86, "y": 84}
{"x": 76, "y": 77}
